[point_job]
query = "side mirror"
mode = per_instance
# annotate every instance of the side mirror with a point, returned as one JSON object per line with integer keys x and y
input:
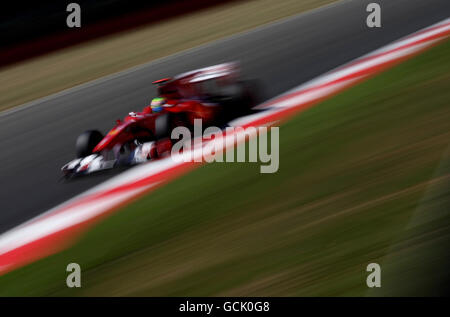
{"x": 118, "y": 121}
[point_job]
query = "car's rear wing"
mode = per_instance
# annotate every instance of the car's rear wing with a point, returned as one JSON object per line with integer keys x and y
{"x": 202, "y": 74}
{"x": 183, "y": 85}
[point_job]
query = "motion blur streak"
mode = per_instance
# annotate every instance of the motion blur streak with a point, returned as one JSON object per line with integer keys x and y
{"x": 53, "y": 231}
{"x": 39, "y": 138}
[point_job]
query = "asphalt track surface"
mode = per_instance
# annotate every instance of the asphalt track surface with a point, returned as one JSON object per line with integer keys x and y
{"x": 37, "y": 140}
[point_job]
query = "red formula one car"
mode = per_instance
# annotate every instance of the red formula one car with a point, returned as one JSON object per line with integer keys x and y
{"x": 213, "y": 94}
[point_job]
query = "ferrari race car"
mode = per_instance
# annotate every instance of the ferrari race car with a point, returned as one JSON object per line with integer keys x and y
{"x": 213, "y": 94}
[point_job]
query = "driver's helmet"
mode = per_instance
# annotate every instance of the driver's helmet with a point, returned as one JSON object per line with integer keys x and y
{"x": 157, "y": 104}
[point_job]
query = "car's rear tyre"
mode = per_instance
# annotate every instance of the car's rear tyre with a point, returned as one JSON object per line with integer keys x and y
{"x": 247, "y": 94}
{"x": 251, "y": 94}
{"x": 87, "y": 141}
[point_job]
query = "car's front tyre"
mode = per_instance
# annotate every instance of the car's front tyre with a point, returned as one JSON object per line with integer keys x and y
{"x": 87, "y": 141}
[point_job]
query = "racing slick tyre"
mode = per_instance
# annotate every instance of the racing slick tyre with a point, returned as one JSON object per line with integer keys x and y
{"x": 247, "y": 95}
{"x": 251, "y": 93}
{"x": 87, "y": 141}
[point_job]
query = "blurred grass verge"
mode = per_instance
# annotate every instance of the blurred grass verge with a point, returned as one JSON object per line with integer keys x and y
{"x": 363, "y": 178}
{"x": 39, "y": 77}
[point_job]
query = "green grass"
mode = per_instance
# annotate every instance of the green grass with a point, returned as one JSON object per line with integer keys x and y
{"x": 362, "y": 179}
